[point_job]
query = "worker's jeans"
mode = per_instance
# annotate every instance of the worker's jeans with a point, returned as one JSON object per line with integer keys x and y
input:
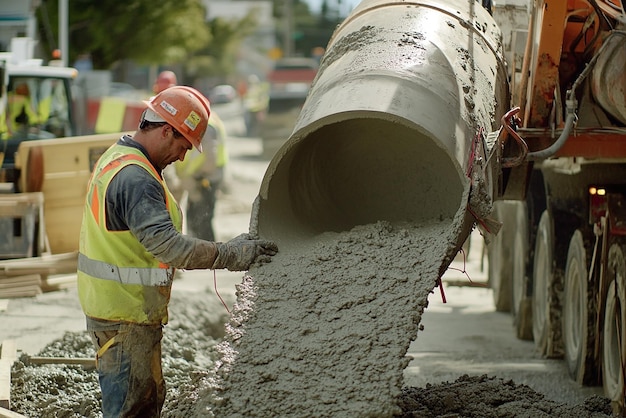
{"x": 130, "y": 372}
{"x": 200, "y": 213}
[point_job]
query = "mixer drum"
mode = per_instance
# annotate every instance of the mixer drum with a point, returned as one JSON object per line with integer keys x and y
{"x": 390, "y": 125}
{"x": 608, "y": 81}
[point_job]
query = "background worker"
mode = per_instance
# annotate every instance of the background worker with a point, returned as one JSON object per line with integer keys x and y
{"x": 198, "y": 178}
{"x": 21, "y": 109}
{"x": 164, "y": 80}
{"x": 130, "y": 245}
{"x": 256, "y": 102}
{"x": 201, "y": 175}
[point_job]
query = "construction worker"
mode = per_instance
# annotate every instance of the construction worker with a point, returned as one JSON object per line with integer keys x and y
{"x": 164, "y": 80}
{"x": 53, "y": 107}
{"x": 200, "y": 175}
{"x": 256, "y": 102}
{"x": 131, "y": 244}
{"x": 22, "y": 112}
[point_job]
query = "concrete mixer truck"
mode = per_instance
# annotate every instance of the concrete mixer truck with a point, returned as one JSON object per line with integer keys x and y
{"x": 558, "y": 263}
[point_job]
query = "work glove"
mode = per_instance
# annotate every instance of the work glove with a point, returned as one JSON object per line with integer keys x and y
{"x": 239, "y": 253}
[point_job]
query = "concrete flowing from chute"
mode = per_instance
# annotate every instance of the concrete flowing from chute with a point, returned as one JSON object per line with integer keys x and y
{"x": 324, "y": 329}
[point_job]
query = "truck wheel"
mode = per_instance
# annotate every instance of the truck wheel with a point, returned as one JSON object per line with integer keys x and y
{"x": 499, "y": 259}
{"x": 546, "y": 320}
{"x": 521, "y": 303}
{"x": 613, "y": 346}
{"x": 577, "y": 321}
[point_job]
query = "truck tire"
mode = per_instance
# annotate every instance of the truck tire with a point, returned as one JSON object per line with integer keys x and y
{"x": 521, "y": 303}
{"x": 499, "y": 258}
{"x": 546, "y": 304}
{"x": 614, "y": 330}
{"x": 578, "y": 320}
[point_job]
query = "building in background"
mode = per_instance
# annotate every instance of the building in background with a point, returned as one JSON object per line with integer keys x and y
{"x": 17, "y": 19}
{"x": 255, "y": 55}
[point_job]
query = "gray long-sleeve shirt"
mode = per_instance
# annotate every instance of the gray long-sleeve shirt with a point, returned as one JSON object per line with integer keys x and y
{"x": 135, "y": 201}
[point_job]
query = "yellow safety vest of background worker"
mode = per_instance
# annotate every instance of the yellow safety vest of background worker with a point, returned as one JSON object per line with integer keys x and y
{"x": 201, "y": 175}
{"x": 20, "y": 109}
{"x": 210, "y": 163}
{"x": 196, "y": 180}
{"x": 255, "y": 102}
{"x": 257, "y": 96}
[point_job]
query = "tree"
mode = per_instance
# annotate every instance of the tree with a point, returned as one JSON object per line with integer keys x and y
{"x": 147, "y": 32}
{"x": 309, "y": 30}
{"x": 218, "y": 58}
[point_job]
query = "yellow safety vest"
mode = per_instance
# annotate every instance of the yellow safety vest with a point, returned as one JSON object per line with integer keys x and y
{"x": 257, "y": 97}
{"x": 195, "y": 162}
{"x": 18, "y": 104}
{"x": 118, "y": 279}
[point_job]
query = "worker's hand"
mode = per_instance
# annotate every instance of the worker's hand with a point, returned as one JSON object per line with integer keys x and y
{"x": 240, "y": 252}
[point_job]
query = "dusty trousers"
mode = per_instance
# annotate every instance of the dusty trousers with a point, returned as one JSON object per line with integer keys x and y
{"x": 129, "y": 371}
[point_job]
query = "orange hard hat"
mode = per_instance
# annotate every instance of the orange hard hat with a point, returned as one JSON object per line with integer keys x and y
{"x": 164, "y": 80}
{"x": 185, "y": 108}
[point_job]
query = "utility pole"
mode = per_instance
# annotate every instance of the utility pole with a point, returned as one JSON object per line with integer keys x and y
{"x": 288, "y": 39}
{"x": 63, "y": 29}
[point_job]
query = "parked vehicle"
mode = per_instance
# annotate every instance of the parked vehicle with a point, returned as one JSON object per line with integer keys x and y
{"x": 289, "y": 84}
{"x": 223, "y": 93}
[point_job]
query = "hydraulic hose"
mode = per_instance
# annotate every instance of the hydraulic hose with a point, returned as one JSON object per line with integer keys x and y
{"x": 571, "y": 105}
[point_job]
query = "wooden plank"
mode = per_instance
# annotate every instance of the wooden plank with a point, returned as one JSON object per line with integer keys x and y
{"x": 21, "y": 292}
{"x": 5, "y": 383}
{"x": 28, "y": 279}
{"x": 53, "y": 283}
{"x": 7, "y": 357}
{"x": 8, "y": 350}
{"x": 5, "y": 413}
{"x": 88, "y": 362}
{"x": 67, "y": 168}
{"x": 21, "y": 198}
{"x": 64, "y": 263}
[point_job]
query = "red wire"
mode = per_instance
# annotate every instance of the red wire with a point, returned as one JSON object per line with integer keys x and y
{"x": 443, "y": 294}
{"x": 218, "y": 293}
{"x": 464, "y": 271}
{"x": 480, "y": 221}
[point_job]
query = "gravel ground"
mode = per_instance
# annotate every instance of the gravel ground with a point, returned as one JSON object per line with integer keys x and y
{"x": 190, "y": 352}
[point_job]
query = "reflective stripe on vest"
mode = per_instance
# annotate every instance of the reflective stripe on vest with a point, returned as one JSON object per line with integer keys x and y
{"x": 126, "y": 275}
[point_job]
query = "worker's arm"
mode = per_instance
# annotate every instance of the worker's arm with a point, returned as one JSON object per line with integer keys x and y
{"x": 136, "y": 202}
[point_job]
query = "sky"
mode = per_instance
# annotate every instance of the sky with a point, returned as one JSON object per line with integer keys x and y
{"x": 315, "y": 5}
{"x": 346, "y": 5}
